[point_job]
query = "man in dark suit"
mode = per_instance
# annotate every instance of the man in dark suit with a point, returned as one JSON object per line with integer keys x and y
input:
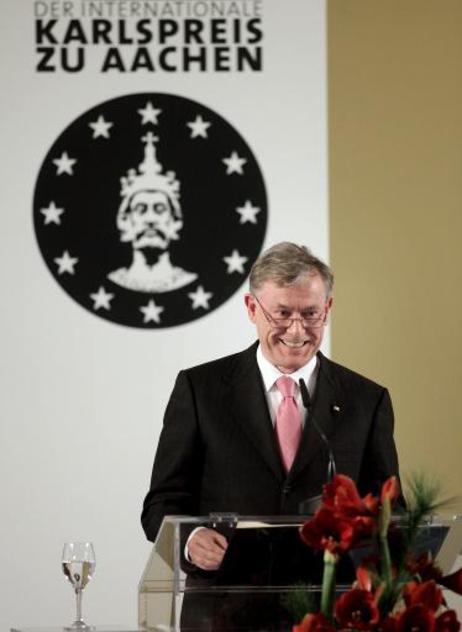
{"x": 221, "y": 447}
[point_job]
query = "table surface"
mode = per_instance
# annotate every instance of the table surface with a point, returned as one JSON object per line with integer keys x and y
{"x": 97, "y": 628}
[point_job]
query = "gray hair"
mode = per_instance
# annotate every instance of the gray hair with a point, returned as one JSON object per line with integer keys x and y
{"x": 285, "y": 263}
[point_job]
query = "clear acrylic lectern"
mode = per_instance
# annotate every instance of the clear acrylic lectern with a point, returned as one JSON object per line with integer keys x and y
{"x": 266, "y": 576}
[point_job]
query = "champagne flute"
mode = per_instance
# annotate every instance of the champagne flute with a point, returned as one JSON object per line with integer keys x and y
{"x": 78, "y": 564}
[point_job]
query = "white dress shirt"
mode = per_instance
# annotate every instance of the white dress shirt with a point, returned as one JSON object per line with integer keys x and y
{"x": 270, "y": 374}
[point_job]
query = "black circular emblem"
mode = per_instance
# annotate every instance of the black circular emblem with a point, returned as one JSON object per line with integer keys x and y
{"x": 149, "y": 210}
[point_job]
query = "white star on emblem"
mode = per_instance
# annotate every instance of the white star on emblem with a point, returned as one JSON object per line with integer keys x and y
{"x": 235, "y": 262}
{"x": 66, "y": 263}
{"x": 200, "y": 298}
{"x": 248, "y": 213}
{"x": 198, "y": 127}
{"x": 151, "y": 311}
{"x": 52, "y": 213}
{"x": 149, "y": 113}
{"x": 100, "y": 127}
{"x": 64, "y": 164}
{"x": 101, "y": 298}
{"x": 234, "y": 164}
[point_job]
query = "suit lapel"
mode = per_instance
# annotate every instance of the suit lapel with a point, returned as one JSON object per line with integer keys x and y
{"x": 323, "y": 411}
{"x": 250, "y": 410}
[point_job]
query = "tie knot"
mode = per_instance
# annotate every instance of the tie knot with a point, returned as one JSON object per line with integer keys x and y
{"x": 286, "y": 386}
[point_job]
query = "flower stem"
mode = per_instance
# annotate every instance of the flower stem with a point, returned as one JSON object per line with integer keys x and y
{"x": 384, "y": 523}
{"x": 328, "y": 584}
{"x": 385, "y": 560}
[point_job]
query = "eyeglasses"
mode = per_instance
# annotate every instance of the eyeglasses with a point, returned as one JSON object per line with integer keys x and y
{"x": 285, "y": 323}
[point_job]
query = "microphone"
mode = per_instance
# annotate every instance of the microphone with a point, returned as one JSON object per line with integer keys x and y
{"x": 311, "y": 504}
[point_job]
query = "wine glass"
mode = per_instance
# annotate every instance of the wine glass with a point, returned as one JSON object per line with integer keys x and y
{"x": 78, "y": 564}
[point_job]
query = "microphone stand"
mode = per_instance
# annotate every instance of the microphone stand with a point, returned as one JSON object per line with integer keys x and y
{"x": 310, "y": 505}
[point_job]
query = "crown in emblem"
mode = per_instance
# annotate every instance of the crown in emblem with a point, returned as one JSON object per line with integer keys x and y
{"x": 150, "y": 177}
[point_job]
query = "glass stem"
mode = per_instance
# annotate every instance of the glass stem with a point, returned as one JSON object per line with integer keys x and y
{"x": 78, "y": 601}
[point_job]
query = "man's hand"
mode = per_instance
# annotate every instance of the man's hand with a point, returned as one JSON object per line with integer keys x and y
{"x": 206, "y": 549}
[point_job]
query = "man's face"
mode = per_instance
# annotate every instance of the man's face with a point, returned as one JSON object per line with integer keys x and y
{"x": 292, "y": 347}
{"x": 152, "y": 224}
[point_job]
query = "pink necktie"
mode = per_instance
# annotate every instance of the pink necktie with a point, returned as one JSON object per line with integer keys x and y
{"x": 288, "y": 422}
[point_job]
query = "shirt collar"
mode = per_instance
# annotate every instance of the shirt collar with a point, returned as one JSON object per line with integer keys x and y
{"x": 270, "y": 373}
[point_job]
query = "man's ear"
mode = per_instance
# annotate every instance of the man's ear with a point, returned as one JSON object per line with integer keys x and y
{"x": 329, "y": 303}
{"x": 251, "y": 305}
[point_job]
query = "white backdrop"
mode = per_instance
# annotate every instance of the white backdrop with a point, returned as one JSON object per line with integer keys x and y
{"x": 82, "y": 398}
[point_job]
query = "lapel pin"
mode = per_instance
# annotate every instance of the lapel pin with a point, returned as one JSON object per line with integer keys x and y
{"x": 336, "y": 408}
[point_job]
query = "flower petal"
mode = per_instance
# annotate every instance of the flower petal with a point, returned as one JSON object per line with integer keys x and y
{"x": 314, "y": 623}
{"x": 356, "y": 609}
{"x": 390, "y": 490}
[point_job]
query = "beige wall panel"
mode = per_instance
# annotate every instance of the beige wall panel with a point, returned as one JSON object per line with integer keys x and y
{"x": 395, "y": 173}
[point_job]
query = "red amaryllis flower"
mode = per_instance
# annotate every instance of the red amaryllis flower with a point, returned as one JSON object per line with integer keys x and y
{"x": 423, "y": 566}
{"x": 447, "y": 622}
{"x": 416, "y": 619}
{"x": 314, "y": 623}
{"x": 342, "y": 496}
{"x": 390, "y": 490}
{"x": 325, "y": 531}
{"x": 427, "y": 594}
{"x": 356, "y": 609}
{"x": 453, "y": 581}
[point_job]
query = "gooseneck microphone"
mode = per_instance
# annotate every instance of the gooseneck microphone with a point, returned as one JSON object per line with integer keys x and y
{"x": 310, "y": 505}
{"x": 306, "y": 399}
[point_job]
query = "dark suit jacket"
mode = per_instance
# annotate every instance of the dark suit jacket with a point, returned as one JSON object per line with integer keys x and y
{"x": 218, "y": 452}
